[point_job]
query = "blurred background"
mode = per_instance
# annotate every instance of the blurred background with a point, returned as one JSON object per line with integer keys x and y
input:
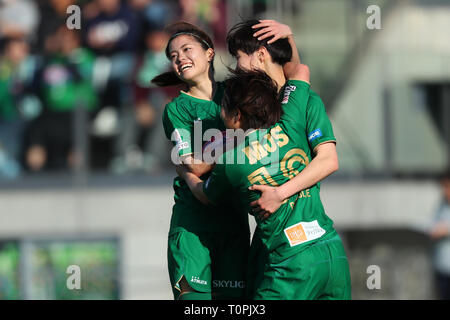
{"x": 85, "y": 171}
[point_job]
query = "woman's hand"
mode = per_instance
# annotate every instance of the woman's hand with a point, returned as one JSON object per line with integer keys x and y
{"x": 271, "y": 28}
{"x": 196, "y": 167}
{"x": 268, "y": 203}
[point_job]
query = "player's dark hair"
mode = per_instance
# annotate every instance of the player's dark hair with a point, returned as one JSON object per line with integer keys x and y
{"x": 170, "y": 78}
{"x": 254, "y": 95}
{"x": 240, "y": 37}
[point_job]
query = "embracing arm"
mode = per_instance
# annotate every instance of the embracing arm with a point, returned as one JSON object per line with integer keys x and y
{"x": 323, "y": 164}
{"x": 194, "y": 183}
{"x": 196, "y": 167}
{"x": 297, "y": 71}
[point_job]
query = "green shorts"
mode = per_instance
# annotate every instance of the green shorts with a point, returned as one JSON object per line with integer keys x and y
{"x": 320, "y": 272}
{"x": 210, "y": 262}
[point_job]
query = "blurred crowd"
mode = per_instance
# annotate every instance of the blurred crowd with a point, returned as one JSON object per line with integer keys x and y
{"x": 52, "y": 75}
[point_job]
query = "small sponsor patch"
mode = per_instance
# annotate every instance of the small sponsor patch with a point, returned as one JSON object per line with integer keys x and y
{"x": 182, "y": 145}
{"x": 198, "y": 280}
{"x": 303, "y": 232}
{"x": 287, "y": 93}
{"x": 315, "y": 134}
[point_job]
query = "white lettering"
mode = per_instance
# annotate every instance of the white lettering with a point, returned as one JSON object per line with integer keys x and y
{"x": 374, "y": 280}
{"x": 374, "y": 20}
{"x": 74, "y": 20}
{"x": 74, "y": 280}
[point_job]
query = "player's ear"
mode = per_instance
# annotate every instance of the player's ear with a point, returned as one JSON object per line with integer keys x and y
{"x": 239, "y": 115}
{"x": 210, "y": 54}
{"x": 262, "y": 54}
{"x": 237, "y": 119}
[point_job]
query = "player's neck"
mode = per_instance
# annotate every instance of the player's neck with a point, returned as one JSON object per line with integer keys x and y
{"x": 203, "y": 88}
{"x": 275, "y": 71}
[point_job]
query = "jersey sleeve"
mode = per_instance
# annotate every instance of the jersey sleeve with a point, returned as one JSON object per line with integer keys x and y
{"x": 217, "y": 185}
{"x": 318, "y": 125}
{"x": 295, "y": 98}
{"x": 178, "y": 128}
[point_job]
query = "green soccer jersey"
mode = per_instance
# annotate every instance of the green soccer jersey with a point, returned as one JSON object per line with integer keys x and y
{"x": 182, "y": 117}
{"x": 273, "y": 156}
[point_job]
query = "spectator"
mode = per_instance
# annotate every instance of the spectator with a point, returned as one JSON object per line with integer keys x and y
{"x": 440, "y": 233}
{"x": 112, "y": 30}
{"x": 155, "y": 13}
{"x": 53, "y": 14}
{"x": 17, "y": 104}
{"x": 123, "y": 43}
{"x": 219, "y": 24}
{"x": 18, "y": 18}
{"x": 63, "y": 84}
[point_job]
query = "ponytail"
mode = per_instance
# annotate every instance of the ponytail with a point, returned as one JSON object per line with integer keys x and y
{"x": 167, "y": 79}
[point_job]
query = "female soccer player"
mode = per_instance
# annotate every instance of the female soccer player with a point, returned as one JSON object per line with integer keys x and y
{"x": 206, "y": 253}
{"x": 249, "y": 42}
{"x": 305, "y": 256}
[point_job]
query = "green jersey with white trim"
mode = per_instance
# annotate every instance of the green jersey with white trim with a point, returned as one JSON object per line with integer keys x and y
{"x": 273, "y": 156}
{"x": 183, "y": 116}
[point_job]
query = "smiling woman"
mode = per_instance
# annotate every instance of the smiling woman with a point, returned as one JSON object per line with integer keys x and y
{"x": 207, "y": 246}
{"x": 189, "y": 37}
{"x": 189, "y": 60}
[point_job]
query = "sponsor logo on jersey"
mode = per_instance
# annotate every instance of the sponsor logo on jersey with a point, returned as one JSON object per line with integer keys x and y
{"x": 228, "y": 284}
{"x": 287, "y": 93}
{"x": 303, "y": 232}
{"x": 180, "y": 144}
{"x": 198, "y": 280}
{"x": 315, "y": 134}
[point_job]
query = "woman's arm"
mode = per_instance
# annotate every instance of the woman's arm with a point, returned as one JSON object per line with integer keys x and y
{"x": 196, "y": 167}
{"x": 296, "y": 71}
{"x": 194, "y": 183}
{"x": 323, "y": 164}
